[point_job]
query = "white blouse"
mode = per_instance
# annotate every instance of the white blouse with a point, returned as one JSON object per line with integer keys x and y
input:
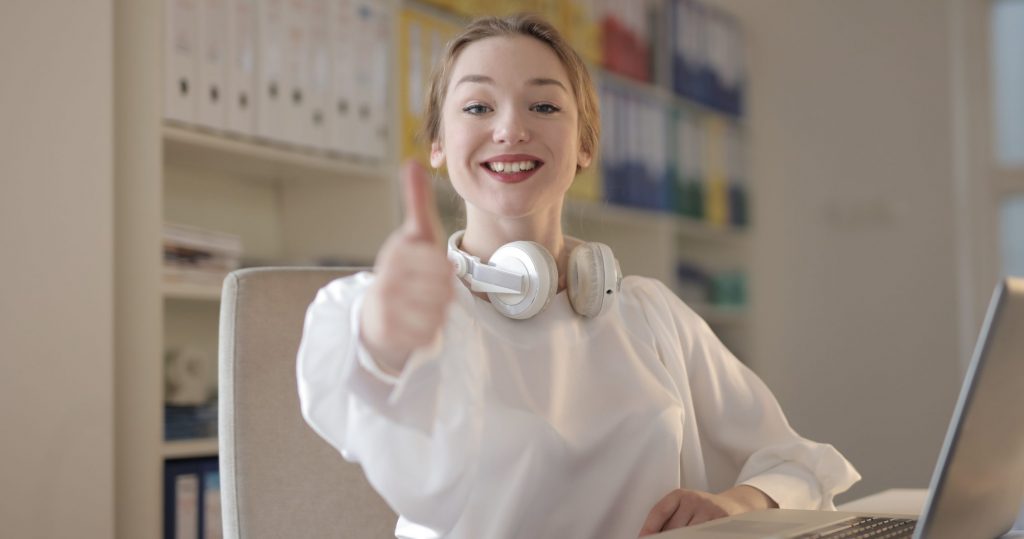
{"x": 556, "y": 426}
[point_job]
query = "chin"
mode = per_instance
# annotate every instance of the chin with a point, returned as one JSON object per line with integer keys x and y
{"x": 508, "y": 209}
{"x": 518, "y": 207}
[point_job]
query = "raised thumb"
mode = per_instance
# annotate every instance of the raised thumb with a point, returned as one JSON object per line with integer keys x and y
{"x": 421, "y": 217}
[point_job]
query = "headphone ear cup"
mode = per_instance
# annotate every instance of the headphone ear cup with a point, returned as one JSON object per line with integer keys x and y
{"x": 541, "y": 275}
{"x": 593, "y": 279}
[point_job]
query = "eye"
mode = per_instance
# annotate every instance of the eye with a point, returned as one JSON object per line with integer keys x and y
{"x": 476, "y": 109}
{"x": 546, "y": 108}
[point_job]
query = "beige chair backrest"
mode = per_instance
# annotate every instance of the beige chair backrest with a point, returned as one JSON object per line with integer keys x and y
{"x": 278, "y": 477}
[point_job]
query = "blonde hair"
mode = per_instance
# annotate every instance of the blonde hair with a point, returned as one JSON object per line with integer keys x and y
{"x": 589, "y": 120}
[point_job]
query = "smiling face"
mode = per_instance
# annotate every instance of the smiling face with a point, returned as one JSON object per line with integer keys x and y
{"x": 509, "y": 128}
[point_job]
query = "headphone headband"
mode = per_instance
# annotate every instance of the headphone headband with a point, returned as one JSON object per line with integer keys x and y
{"x": 482, "y": 277}
{"x": 522, "y": 277}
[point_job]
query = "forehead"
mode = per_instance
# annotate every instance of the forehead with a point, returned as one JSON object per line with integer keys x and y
{"x": 509, "y": 59}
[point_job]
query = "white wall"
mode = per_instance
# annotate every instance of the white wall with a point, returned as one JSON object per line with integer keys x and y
{"x": 56, "y": 289}
{"x": 855, "y": 291}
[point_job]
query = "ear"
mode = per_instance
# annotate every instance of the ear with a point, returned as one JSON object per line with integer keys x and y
{"x": 583, "y": 159}
{"x": 436, "y": 154}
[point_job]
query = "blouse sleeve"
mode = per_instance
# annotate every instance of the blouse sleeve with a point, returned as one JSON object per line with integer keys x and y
{"x": 744, "y": 434}
{"x": 414, "y": 440}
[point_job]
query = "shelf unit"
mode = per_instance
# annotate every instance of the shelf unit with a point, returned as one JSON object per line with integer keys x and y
{"x": 199, "y": 164}
{"x": 289, "y": 205}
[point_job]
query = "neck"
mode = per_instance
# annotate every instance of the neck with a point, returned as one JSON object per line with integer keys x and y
{"x": 485, "y": 234}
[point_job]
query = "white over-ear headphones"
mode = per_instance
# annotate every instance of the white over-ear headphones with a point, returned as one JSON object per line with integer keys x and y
{"x": 521, "y": 277}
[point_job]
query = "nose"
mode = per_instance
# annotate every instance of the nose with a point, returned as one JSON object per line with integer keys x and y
{"x": 510, "y": 129}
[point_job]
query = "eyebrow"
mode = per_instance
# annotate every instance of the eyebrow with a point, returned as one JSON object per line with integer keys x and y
{"x": 539, "y": 81}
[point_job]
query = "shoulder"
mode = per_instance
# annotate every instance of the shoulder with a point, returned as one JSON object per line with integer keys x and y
{"x": 355, "y": 281}
{"x": 345, "y": 289}
{"x": 644, "y": 287}
{"x": 660, "y": 307}
{"x": 651, "y": 293}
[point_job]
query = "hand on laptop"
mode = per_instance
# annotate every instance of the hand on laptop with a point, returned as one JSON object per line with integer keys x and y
{"x": 683, "y": 507}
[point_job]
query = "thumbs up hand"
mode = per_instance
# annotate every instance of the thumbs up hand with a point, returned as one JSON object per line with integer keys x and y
{"x": 405, "y": 306}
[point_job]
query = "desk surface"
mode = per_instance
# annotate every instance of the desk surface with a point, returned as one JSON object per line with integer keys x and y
{"x": 909, "y": 501}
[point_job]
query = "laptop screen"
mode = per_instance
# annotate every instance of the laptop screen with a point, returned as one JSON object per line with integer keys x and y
{"x": 978, "y": 486}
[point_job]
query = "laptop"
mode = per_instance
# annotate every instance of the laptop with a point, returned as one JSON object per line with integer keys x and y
{"x": 978, "y": 484}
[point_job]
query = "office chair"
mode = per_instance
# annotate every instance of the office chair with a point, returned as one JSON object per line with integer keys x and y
{"x": 278, "y": 477}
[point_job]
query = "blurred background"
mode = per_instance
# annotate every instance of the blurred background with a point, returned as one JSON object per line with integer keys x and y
{"x": 835, "y": 185}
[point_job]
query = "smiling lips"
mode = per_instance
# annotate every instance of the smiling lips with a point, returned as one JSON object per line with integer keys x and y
{"x": 512, "y": 168}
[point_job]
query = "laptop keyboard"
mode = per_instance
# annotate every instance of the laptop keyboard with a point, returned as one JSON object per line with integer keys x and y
{"x": 866, "y": 528}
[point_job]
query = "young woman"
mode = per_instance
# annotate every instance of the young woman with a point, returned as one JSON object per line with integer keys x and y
{"x": 479, "y": 404}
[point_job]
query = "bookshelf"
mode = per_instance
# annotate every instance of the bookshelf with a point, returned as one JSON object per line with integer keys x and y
{"x": 290, "y": 206}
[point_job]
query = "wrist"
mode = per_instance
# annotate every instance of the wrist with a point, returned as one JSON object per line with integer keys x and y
{"x": 750, "y": 498}
{"x": 386, "y": 359}
{"x": 390, "y": 362}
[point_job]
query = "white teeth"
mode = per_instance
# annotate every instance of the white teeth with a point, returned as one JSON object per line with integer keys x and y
{"x": 512, "y": 167}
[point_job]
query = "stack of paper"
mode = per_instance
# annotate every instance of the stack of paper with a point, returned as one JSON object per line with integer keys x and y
{"x": 200, "y": 257}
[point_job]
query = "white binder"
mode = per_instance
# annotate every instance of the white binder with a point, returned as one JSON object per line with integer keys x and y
{"x": 212, "y": 63}
{"x": 342, "y": 109}
{"x": 273, "y": 88}
{"x": 240, "y": 97}
{"x": 315, "y": 124}
{"x": 383, "y": 24}
{"x": 296, "y": 72}
{"x": 181, "y": 56}
{"x": 362, "y": 77}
